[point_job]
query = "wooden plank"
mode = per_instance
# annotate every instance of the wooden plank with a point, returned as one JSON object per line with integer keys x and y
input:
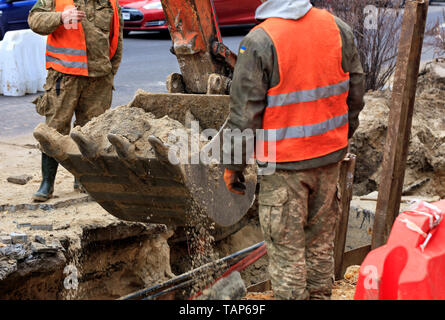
{"x": 260, "y": 287}
{"x": 346, "y": 181}
{"x": 400, "y": 119}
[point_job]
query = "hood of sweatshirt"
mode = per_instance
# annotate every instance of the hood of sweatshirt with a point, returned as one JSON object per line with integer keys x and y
{"x": 286, "y": 9}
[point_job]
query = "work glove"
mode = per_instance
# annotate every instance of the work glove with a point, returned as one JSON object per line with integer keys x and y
{"x": 235, "y": 181}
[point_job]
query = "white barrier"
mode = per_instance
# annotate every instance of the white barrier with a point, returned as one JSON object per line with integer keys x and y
{"x": 22, "y": 63}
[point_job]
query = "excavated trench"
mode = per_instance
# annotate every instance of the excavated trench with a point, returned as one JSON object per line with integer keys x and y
{"x": 106, "y": 263}
{"x": 107, "y": 260}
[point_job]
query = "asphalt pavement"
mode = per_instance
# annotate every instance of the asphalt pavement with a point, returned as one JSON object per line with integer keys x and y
{"x": 146, "y": 63}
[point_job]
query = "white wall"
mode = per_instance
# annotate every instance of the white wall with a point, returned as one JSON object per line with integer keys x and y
{"x": 22, "y": 63}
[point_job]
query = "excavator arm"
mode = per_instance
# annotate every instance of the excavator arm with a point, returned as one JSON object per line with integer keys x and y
{"x": 198, "y": 46}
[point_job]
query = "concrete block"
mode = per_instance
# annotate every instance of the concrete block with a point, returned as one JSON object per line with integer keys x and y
{"x": 18, "y": 237}
{"x": 22, "y": 63}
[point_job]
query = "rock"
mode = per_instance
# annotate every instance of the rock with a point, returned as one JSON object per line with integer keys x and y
{"x": 23, "y": 179}
{"x": 62, "y": 227}
{"x": 14, "y": 251}
{"x": 351, "y": 274}
{"x": 7, "y": 267}
{"x": 47, "y": 227}
{"x": 18, "y": 237}
{"x": 39, "y": 239}
{"x": 55, "y": 244}
{"x": 228, "y": 288}
{"x": 41, "y": 248}
{"x": 5, "y": 239}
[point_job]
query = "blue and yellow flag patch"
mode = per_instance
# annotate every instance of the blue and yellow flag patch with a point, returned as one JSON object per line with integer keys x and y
{"x": 242, "y": 49}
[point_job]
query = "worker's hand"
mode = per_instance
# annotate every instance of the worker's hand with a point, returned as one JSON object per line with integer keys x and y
{"x": 235, "y": 181}
{"x": 72, "y": 16}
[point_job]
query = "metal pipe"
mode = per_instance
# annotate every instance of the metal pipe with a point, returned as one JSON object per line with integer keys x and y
{"x": 191, "y": 273}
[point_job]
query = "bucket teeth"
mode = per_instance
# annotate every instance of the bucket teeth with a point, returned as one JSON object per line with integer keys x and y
{"x": 87, "y": 147}
{"x": 50, "y": 142}
{"x": 159, "y": 147}
{"x": 124, "y": 148}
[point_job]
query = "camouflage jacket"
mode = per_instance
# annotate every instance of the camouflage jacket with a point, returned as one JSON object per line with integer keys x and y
{"x": 257, "y": 70}
{"x": 43, "y": 19}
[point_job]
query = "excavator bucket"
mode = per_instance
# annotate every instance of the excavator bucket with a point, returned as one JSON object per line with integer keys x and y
{"x": 124, "y": 158}
{"x": 146, "y": 186}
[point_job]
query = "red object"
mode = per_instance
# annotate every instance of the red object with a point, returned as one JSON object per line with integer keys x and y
{"x": 148, "y": 14}
{"x": 239, "y": 266}
{"x": 307, "y": 110}
{"x": 66, "y": 49}
{"x": 411, "y": 264}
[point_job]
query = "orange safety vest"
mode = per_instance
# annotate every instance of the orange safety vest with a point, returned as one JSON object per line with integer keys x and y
{"x": 66, "y": 49}
{"x": 306, "y": 115}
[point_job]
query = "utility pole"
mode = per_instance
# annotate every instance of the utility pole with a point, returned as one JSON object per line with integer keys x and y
{"x": 400, "y": 119}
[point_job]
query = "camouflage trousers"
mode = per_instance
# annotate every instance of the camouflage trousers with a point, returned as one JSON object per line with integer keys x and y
{"x": 298, "y": 212}
{"x": 66, "y": 95}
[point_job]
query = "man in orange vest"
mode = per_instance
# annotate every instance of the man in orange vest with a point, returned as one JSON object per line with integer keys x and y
{"x": 298, "y": 78}
{"x": 83, "y": 53}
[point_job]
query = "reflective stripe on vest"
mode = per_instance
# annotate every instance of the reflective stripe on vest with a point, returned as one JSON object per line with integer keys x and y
{"x": 66, "y": 49}
{"x": 77, "y": 52}
{"x": 309, "y": 130}
{"x": 307, "y": 95}
{"x": 68, "y": 64}
{"x": 306, "y": 115}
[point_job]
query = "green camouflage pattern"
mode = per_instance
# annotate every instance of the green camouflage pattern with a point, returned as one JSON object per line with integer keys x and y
{"x": 44, "y": 20}
{"x": 66, "y": 95}
{"x": 298, "y": 211}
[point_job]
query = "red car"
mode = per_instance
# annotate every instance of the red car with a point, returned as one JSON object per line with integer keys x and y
{"x": 148, "y": 14}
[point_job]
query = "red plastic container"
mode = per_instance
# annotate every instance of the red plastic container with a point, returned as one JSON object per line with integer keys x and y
{"x": 411, "y": 265}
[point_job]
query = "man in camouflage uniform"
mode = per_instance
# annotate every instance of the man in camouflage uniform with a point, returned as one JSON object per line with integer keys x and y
{"x": 299, "y": 203}
{"x": 68, "y": 94}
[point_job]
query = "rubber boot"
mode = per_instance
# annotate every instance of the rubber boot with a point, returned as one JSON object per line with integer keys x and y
{"x": 49, "y": 170}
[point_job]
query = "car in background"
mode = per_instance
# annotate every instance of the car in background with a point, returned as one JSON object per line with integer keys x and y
{"x": 14, "y": 15}
{"x": 148, "y": 14}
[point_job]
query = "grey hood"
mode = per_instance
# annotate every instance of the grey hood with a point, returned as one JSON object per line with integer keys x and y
{"x": 286, "y": 9}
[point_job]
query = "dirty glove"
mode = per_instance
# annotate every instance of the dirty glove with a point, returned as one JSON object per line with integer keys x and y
{"x": 235, "y": 181}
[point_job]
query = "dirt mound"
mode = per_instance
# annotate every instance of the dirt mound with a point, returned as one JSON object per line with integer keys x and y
{"x": 134, "y": 124}
{"x": 426, "y": 155}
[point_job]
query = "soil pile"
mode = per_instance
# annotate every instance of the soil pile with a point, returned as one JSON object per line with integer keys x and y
{"x": 426, "y": 155}
{"x": 134, "y": 124}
